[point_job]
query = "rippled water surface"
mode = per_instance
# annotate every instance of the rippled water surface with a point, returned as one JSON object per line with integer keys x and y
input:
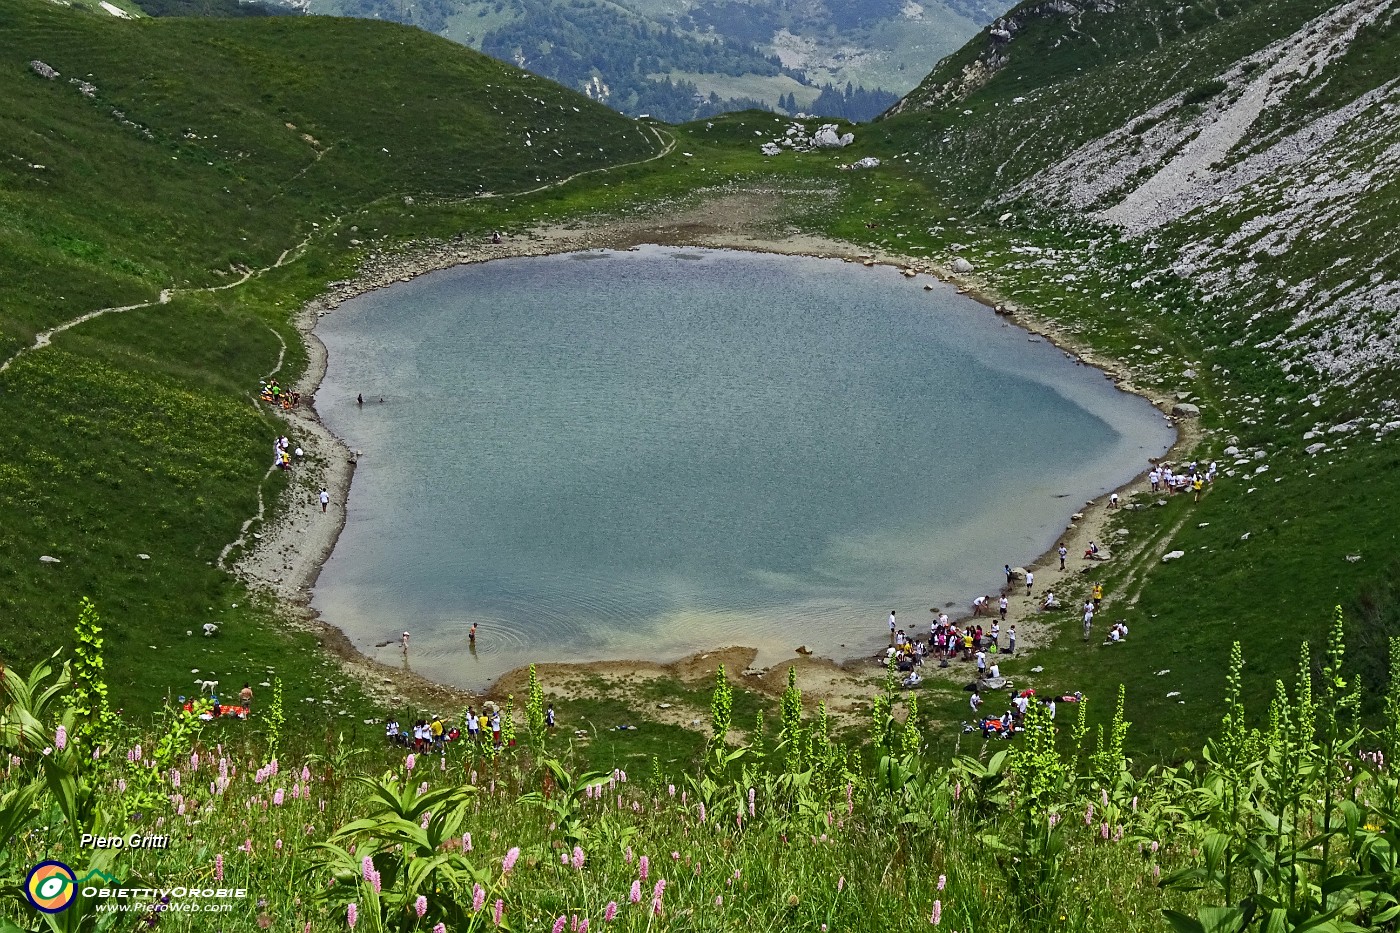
{"x": 637, "y": 454}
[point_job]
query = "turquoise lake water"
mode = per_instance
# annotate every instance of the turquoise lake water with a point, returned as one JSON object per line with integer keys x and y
{"x": 640, "y": 454}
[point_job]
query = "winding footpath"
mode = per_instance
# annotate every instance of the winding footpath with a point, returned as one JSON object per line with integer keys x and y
{"x": 43, "y": 339}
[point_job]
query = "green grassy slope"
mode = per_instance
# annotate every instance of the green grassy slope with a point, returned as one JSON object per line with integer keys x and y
{"x": 207, "y": 147}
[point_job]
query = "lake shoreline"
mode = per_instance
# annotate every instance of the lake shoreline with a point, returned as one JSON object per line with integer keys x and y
{"x": 297, "y": 540}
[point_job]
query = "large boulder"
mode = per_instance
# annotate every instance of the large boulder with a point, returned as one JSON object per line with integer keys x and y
{"x": 961, "y": 266}
{"x": 1186, "y": 410}
{"x": 43, "y": 70}
{"x": 830, "y": 137}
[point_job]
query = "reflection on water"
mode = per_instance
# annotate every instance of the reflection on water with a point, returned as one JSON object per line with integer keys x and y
{"x": 630, "y": 456}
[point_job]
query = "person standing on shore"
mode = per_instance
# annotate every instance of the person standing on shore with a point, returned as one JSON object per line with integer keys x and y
{"x": 892, "y": 627}
{"x": 1001, "y": 607}
{"x": 325, "y": 499}
{"x": 1064, "y": 552}
{"x": 1010, "y": 577}
{"x": 403, "y": 642}
{"x": 1030, "y": 582}
{"x": 1011, "y": 640}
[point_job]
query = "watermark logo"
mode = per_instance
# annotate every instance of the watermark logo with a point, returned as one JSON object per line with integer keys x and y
{"x": 51, "y": 887}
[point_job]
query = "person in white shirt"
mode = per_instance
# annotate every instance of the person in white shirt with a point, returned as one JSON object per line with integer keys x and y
{"x": 994, "y": 671}
{"x": 1030, "y": 582}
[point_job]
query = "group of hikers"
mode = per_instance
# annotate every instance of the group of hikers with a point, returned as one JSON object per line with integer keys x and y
{"x": 283, "y": 452}
{"x": 947, "y": 641}
{"x": 435, "y": 735}
{"x": 218, "y": 709}
{"x": 273, "y": 393}
{"x": 1192, "y": 479}
{"x": 1013, "y": 720}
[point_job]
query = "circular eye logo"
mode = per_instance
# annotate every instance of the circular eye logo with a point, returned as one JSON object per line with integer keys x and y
{"x": 51, "y": 887}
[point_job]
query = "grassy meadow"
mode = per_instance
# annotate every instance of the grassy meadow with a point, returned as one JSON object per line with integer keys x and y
{"x": 1288, "y": 825}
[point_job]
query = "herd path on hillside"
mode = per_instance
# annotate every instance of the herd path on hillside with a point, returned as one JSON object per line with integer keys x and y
{"x": 292, "y": 253}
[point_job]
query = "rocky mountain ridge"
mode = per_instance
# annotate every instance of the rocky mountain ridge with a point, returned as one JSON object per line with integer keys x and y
{"x": 1253, "y": 156}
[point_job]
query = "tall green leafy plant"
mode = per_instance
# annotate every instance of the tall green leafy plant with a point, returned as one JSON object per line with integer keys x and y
{"x": 274, "y": 720}
{"x": 534, "y": 709}
{"x": 791, "y": 736}
{"x": 721, "y": 708}
{"x": 94, "y": 721}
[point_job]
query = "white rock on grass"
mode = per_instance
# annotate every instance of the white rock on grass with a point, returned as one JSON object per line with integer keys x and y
{"x": 1172, "y": 555}
{"x": 46, "y": 559}
{"x": 961, "y": 265}
{"x": 830, "y": 137}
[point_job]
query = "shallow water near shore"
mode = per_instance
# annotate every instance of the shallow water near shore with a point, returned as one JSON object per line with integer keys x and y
{"x": 641, "y": 454}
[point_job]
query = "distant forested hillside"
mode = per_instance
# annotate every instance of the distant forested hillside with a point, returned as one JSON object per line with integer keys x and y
{"x": 680, "y": 61}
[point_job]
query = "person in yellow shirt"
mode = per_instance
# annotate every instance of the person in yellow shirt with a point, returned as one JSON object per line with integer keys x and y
{"x": 1098, "y": 594}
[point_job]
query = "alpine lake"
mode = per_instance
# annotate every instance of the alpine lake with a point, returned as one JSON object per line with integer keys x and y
{"x": 641, "y": 454}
